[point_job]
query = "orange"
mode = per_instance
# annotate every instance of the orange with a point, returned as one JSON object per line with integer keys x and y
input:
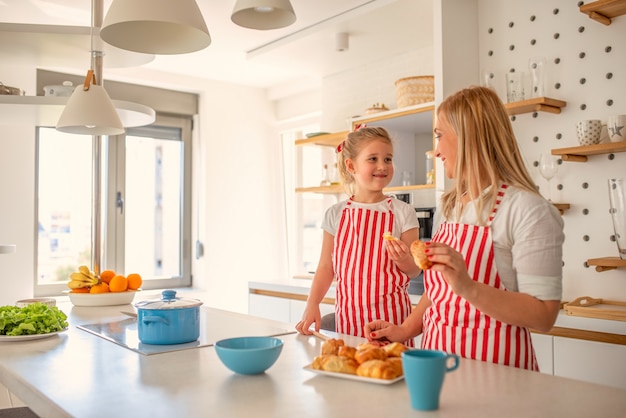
{"x": 107, "y": 275}
{"x": 134, "y": 281}
{"x": 81, "y": 290}
{"x": 118, "y": 283}
{"x": 99, "y": 288}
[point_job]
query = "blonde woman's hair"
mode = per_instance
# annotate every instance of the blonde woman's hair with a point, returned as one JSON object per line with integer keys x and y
{"x": 350, "y": 148}
{"x": 486, "y": 149}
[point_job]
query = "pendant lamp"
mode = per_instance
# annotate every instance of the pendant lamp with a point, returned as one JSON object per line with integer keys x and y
{"x": 89, "y": 111}
{"x": 263, "y": 14}
{"x": 155, "y": 26}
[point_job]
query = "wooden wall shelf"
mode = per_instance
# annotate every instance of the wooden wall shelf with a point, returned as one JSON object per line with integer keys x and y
{"x": 604, "y": 10}
{"x": 537, "y": 104}
{"x": 580, "y": 153}
{"x": 337, "y": 189}
{"x": 562, "y": 207}
{"x": 327, "y": 140}
{"x": 606, "y": 263}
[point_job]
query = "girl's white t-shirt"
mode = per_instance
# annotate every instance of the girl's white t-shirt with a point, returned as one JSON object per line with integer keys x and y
{"x": 405, "y": 217}
{"x": 527, "y": 233}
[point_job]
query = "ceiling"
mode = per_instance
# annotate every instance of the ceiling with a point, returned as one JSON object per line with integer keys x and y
{"x": 55, "y": 34}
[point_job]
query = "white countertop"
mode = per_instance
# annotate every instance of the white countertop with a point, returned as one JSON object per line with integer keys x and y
{"x": 78, "y": 374}
{"x": 302, "y": 286}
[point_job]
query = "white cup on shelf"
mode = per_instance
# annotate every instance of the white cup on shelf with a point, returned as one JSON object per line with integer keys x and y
{"x": 616, "y": 126}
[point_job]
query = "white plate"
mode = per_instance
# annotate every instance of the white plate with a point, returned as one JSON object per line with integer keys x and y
{"x": 355, "y": 377}
{"x": 15, "y": 338}
{"x": 102, "y": 299}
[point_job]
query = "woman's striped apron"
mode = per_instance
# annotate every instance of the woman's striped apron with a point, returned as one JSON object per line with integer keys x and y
{"x": 453, "y": 325}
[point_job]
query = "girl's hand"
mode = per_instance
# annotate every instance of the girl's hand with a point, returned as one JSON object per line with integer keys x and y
{"x": 451, "y": 264}
{"x": 310, "y": 316}
{"x": 397, "y": 250}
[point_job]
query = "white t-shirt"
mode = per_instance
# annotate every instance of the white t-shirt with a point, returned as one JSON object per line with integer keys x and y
{"x": 527, "y": 233}
{"x": 405, "y": 217}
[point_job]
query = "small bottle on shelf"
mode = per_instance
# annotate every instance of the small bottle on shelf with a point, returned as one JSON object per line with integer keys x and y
{"x": 334, "y": 177}
{"x": 430, "y": 169}
{"x": 325, "y": 176}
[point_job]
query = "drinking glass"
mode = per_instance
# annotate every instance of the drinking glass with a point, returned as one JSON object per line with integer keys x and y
{"x": 537, "y": 69}
{"x": 617, "y": 200}
{"x": 548, "y": 166}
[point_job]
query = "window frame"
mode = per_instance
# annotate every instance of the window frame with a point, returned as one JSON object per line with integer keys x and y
{"x": 115, "y": 222}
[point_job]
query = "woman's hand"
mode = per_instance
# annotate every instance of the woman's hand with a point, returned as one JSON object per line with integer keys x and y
{"x": 451, "y": 264}
{"x": 383, "y": 331}
{"x": 310, "y": 316}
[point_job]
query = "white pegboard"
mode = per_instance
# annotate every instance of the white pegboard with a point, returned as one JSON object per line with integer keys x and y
{"x": 576, "y": 48}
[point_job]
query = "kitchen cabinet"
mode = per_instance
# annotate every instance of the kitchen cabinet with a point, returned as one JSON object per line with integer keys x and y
{"x": 411, "y": 127}
{"x": 543, "y": 351}
{"x": 591, "y": 361}
{"x": 604, "y": 10}
{"x": 281, "y": 309}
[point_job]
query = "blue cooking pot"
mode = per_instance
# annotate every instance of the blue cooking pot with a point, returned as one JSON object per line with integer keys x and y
{"x": 169, "y": 320}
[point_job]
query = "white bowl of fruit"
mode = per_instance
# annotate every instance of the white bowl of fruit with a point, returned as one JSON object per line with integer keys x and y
{"x": 106, "y": 289}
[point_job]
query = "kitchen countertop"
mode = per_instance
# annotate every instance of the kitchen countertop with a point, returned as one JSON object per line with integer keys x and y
{"x": 79, "y": 374}
{"x": 302, "y": 287}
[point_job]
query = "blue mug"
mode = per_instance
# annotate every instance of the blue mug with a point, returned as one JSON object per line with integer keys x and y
{"x": 424, "y": 371}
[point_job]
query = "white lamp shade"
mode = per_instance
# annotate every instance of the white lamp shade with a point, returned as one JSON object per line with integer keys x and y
{"x": 155, "y": 26}
{"x": 90, "y": 112}
{"x": 263, "y": 14}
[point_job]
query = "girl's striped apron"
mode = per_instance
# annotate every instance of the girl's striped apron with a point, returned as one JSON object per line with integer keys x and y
{"x": 451, "y": 324}
{"x": 369, "y": 284}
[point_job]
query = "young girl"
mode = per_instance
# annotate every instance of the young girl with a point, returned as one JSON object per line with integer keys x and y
{"x": 372, "y": 277}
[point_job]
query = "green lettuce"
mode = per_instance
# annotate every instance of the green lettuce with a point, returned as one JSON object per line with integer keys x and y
{"x": 36, "y": 318}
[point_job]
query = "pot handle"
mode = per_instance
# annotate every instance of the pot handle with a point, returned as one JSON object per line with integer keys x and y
{"x": 153, "y": 318}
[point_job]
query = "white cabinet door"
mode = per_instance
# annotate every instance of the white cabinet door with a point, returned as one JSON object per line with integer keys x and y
{"x": 543, "y": 351}
{"x": 297, "y": 308}
{"x": 590, "y": 361}
{"x": 269, "y": 307}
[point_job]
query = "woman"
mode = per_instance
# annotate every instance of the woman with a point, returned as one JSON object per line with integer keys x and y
{"x": 497, "y": 252}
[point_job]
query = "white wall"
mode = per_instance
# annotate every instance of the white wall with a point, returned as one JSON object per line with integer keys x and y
{"x": 561, "y": 32}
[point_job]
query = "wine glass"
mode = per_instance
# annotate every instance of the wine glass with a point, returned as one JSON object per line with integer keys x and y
{"x": 548, "y": 166}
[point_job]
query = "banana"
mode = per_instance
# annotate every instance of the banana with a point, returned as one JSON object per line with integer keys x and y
{"x": 79, "y": 277}
{"x": 82, "y": 278}
{"x": 76, "y": 284}
{"x": 85, "y": 270}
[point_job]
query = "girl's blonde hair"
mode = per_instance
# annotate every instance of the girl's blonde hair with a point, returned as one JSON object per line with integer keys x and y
{"x": 350, "y": 148}
{"x": 486, "y": 149}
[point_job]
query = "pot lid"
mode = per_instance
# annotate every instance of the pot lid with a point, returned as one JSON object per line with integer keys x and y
{"x": 168, "y": 301}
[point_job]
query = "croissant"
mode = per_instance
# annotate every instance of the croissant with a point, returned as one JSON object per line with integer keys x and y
{"x": 332, "y": 346}
{"x": 396, "y": 363}
{"x": 419, "y": 256}
{"x": 335, "y": 363}
{"x": 394, "y": 349}
{"x": 378, "y": 369}
{"x": 346, "y": 351}
{"x": 373, "y": 353}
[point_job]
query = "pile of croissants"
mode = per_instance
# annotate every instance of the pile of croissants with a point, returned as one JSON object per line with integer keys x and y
{"x": 366, "y": 360}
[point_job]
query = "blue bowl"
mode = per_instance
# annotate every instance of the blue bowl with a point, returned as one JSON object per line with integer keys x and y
{"x": 249, "y": 355}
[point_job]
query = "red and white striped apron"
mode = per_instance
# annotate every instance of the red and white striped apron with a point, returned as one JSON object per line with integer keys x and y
{"x": 453, "y": 325}
{"x": 369, "y": 284}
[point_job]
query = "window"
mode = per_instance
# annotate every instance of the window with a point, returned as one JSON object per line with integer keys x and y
{"x": 148, "y": 204}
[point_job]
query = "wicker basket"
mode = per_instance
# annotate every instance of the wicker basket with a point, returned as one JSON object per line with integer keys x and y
{"x": 415, "y": 90}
